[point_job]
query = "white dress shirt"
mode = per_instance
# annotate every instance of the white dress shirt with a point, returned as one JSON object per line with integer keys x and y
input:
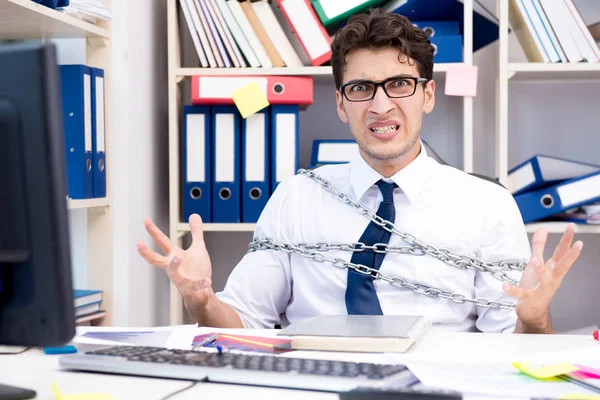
{"x": 439, "y": 205}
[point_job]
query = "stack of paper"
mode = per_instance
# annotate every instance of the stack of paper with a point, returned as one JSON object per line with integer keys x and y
{"x": 87, "y": 10}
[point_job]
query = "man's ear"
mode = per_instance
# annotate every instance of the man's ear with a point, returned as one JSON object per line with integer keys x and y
{"x": 429, "y": 97}
{"x": 339, "y": 99}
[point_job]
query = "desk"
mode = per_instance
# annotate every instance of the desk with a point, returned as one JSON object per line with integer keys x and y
{"x": 35, "y": 370}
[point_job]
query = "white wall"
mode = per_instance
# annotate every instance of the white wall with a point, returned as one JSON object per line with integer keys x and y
{"x": 140, "y": 164}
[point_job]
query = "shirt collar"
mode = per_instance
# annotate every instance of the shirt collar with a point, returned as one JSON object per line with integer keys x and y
{"x": 409, "y": 179}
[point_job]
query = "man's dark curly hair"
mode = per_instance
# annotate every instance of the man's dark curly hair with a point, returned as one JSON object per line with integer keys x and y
{"x": 378, "y": 29}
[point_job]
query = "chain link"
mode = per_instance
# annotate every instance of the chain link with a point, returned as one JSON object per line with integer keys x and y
{"x": 396, "y": 281}
{"x": 498, "y": 270}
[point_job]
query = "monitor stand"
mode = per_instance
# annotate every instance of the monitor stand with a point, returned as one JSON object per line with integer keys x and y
{"x": 15, "y": 393}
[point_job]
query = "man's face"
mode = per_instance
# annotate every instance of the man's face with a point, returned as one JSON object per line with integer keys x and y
{"x": 386, "y": 129}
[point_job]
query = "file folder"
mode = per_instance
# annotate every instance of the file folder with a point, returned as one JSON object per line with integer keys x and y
{"x": 226, "y": 205}
{"x": 284, "y": 148}
{"x": 197, "y": 161}
{"x": 76, "y": 92}
{"x": 447, "y": 49}
{"x": 311, "y": 33}
{"x": 333, "y": 151}
{"x": 98, "y": 133}
{"x": 333, "y": 13}
{"x": 218, "y": 89}
{"x": 572, "y": 193}
{"x": 438, "y": 28}
{"x": 255, "y": 165}
{"x": 542, "y": 170}
{"x": 485, "y": 25}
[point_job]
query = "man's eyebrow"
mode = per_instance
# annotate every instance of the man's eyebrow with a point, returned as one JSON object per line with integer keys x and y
{"x": 362, "y": 80}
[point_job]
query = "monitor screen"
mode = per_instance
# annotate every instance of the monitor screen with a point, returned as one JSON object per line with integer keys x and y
{"x": 36, "y": 292}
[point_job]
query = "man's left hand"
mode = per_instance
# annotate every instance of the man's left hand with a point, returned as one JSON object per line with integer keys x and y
{"x": 541, "y": 280}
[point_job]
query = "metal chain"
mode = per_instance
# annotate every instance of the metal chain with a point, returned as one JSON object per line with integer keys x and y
{"x": 497, "y": 269}
{"x": 269, "y": 244}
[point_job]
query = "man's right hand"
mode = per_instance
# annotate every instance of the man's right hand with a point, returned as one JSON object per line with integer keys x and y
{"x": 190, "y": 270}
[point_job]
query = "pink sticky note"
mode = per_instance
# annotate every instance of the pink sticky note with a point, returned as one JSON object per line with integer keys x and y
{"x": 461, "y": 80}
{"x": 586, "y": 372}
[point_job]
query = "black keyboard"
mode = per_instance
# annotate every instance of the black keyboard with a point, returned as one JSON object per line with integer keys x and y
{"x": 231, "y": 367}
{"x": 266, "y": 363}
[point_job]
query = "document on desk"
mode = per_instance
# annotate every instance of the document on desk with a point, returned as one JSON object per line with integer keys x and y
{"x": 490, "y": 378}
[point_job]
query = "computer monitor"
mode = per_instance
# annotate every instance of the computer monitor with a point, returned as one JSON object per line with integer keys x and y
{"x": 36, "y": 290}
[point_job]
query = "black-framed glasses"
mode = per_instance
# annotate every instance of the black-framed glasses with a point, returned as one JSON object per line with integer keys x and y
{"x": 394, "y": 87}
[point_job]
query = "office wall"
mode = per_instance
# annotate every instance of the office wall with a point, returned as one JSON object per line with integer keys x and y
{"x": 557, "y": 118}
{"x": 140, "y": 158}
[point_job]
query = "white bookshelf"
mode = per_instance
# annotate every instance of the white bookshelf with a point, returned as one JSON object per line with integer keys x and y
{"x": 24, "y": 19}
{"x": 559, "y": 227}
{"x": 178, "y": 74}
{"x": 537, "y": 72}
{"x": 88, "y": 203}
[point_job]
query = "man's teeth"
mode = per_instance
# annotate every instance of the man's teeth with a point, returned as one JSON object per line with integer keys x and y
{"x": 385, "y": 129}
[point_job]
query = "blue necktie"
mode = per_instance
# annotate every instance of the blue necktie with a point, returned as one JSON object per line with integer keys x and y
{"x": 361, "y": 297}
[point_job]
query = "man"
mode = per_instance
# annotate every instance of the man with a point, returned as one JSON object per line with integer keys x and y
{"x": 383, "y": 69}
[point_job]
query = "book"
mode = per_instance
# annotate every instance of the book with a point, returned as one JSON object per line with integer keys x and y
{"x": 357, "y": 333}
{"x": 85, "y": 297}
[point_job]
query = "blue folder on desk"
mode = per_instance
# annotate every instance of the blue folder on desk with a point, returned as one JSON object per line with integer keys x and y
{"x": 226, "y": 190}
{"x": 197, "y": 161}
{"x": 256, "y": 171}
{"x": 572, "y": 193}
{"x": 542, "y": 170}
{"x": 333, "y": 151}
{"x": 76, "y": 92}
{"x": 485, "y": 27}
{"x": 284, "y": 128}
{"x": 98, "y": 133}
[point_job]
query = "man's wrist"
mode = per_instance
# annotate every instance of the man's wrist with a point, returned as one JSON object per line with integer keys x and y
{"x": 200, "y": 307}
{"x": 539, "y": 328}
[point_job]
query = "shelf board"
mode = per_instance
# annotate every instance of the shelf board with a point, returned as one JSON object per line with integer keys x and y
{"x": 213, "y": 227}
{"x": 559, "y": 227}
{"x": 554, "y": 71}
{"x": 551, "y": 227}
{"x": 24, "y": 19}
{"x": 87, "y": 203}
{"x": 316, "y": 72}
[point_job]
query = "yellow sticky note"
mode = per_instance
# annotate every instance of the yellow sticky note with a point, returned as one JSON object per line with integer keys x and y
{"x": 81, "y": 396}
{"x": 461, "y": 80}
{"x": 579, "y": 396}
{"x": 249, "y": 99}
{"x": 544, "y": 371}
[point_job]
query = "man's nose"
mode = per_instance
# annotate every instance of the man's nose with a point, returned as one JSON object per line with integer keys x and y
{"x": 381, "y": 104}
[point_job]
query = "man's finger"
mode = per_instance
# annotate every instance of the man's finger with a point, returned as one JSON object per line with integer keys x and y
{"x": 565, "y": 263}
{"x": 196, "y": 227}
{"x": 565, "y": 242}
{"x": 543, "y": 271}
{"x": 152, "y": 257}
{"x": 514, "y": 291}
{"x": 173, "y": 268}
{"x": 161, "y": 239}
{"x": 538, "y": 242}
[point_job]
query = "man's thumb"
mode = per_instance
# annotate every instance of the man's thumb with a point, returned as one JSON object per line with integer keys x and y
{"x": 196, "y": 227}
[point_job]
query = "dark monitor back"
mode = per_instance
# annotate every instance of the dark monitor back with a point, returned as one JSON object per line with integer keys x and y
{"x": 36, "y": 292}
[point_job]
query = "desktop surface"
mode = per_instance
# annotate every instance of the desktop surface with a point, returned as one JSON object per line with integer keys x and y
{"x": 38, "y": 371}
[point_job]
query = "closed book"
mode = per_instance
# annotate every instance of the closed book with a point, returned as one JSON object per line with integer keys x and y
{"x": 84, "y": 297}
{"x": 357, "y": 333}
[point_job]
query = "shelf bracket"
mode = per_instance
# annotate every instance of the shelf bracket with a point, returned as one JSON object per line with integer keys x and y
{"x": 510, "y": 74}
{"x": 181, "y": 234}
{"x": 98, "y": 210}
{"x": 179, "y": 78}
{"x": 97, "y": 41}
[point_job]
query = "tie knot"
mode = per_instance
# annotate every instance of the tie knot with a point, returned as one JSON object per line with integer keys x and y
{"x": 387, "y": 190}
